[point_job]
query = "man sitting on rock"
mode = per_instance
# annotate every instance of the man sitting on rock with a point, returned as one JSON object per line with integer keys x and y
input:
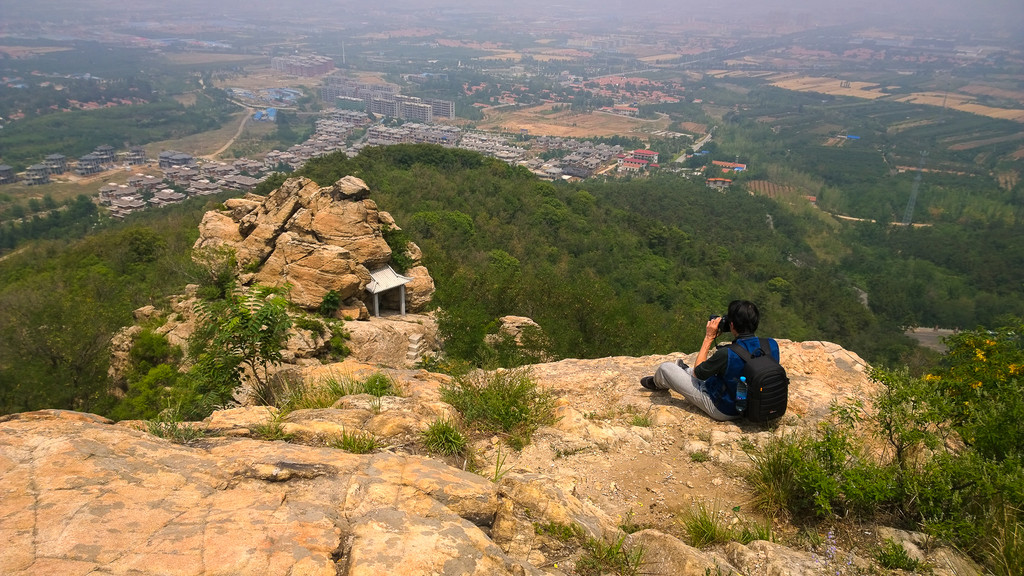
{"x": 711, "y": 384}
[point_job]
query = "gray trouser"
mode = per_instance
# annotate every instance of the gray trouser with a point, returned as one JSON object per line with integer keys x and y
{"x": 670, "y": 375}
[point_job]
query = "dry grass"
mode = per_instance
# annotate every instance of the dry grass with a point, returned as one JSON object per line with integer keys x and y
{"x": 664, "y": 57}
{"x": 199, "y": 144}
{"x": 195, "y": 58}
{"x": 872, "y": 91}
{"x": 513, "y": 56}
{"x": 540, "y": 120}
{"x": 982, "y": 90}
{"x": 831, "y": 86}
{"x": 986, "y": 142}
{"x": 19, "y": 52}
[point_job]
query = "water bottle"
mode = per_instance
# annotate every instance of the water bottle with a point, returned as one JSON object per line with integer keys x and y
{"x": 741, "y": 394}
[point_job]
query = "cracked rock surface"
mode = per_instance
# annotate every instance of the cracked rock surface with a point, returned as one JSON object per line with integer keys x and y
{"x": 82, "y": 495}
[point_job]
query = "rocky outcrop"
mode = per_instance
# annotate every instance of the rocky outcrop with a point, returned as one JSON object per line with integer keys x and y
{"x": 83, "y": 495}
{"x": 315, "y": 239}
{"x": 394, "y": 340}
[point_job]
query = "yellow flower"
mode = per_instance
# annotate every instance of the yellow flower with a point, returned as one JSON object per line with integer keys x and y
{"x": 979, "y": 355}
{"x": 976, "y": 385}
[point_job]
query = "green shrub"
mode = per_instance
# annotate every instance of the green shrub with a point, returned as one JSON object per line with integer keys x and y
{"x": 330, "y": 304}
{"x": 147, "y": 395}
{"x": 974, "y": 398}
{"x": 379, "y": 384}
{"x": 444, "y": 437}
{"x": 312, "y": 324}
{"x": 338, "y": 346}
{"x": 150, "y": 349}
{"x": 398, "y": 240}
{"x": 772, "y": 476}
{"x": 214, "y": 271}
{"x": 892, "y": 556}
{"x": 503, "y": 401}
{"x": 826, "y": 474}
{"x": 235, "y": 338}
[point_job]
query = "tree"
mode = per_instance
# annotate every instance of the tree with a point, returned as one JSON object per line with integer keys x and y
{"x": 54, "y": 336}
{"x": 236, "y": 341}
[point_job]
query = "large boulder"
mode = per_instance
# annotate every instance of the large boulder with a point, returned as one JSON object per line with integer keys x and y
{"x": 314, "y": 239}
{"x": 84, "y": 496}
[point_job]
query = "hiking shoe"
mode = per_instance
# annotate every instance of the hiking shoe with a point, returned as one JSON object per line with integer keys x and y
{"x": 682, "y": 364}
{"x": 648, "y": 382}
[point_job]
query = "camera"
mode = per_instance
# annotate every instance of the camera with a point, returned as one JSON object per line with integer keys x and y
{"x": 723, "y": 323}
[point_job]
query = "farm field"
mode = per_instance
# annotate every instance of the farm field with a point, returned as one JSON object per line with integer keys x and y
{"x": 874, "y": 91}
{"x": 543, "y": 121}
{"x": 196, "y": 58}
{"x": 20, "y": 52}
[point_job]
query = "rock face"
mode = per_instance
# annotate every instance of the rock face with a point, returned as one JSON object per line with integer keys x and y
{"x": 317, "y": 239}
{"x": 83, "y": 495}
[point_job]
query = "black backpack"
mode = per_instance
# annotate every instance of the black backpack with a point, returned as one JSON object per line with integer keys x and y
{"x": 767, "y": 383}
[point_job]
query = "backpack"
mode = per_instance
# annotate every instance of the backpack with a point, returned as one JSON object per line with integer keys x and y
{"x": 767, "y": 383}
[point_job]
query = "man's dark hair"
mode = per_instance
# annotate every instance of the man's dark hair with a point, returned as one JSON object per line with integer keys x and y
{"x": 744, "y": 316}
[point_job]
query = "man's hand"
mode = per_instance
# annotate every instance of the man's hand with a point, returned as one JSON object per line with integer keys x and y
{"x": 710, "y": 333}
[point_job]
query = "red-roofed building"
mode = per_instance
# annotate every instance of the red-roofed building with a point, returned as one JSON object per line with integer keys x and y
{"x": 649, "y": 155}
{"x": 729, "y": 166}
{"x": 719, "y": 183}
{"x": 632, "y": 164}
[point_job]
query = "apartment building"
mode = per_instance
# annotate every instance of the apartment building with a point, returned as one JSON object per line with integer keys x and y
{"x": 172, "y": 159}
{"x": 37, "y": 174}
{"x": 88, "y": 164}
{"x": 302, "y": 64}
{"x": 7, "y": 175}
{"x": 135, "y": 156}
{"x": 56, "y": 163}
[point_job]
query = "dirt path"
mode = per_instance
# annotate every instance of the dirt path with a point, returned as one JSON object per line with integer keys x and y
{"x": 241, "y": 127}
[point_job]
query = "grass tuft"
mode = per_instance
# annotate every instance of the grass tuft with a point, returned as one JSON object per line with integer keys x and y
{"x": 355, "y": 442}
{"x": 175, "y": 431}
{"x": 699, "y": 456}
{"x": 706, "y": 525}
{"x": 892, "y": 556}
{"x": 772, "y": 477}
{"x": 272, "y": 429}
{"x": 600, "y": 557}
{"x": 504, "y": 401}
{"x": 444, "y": 437}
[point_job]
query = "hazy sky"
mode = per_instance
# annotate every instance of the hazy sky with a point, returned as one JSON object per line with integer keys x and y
{"x": 999, "y": 13}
